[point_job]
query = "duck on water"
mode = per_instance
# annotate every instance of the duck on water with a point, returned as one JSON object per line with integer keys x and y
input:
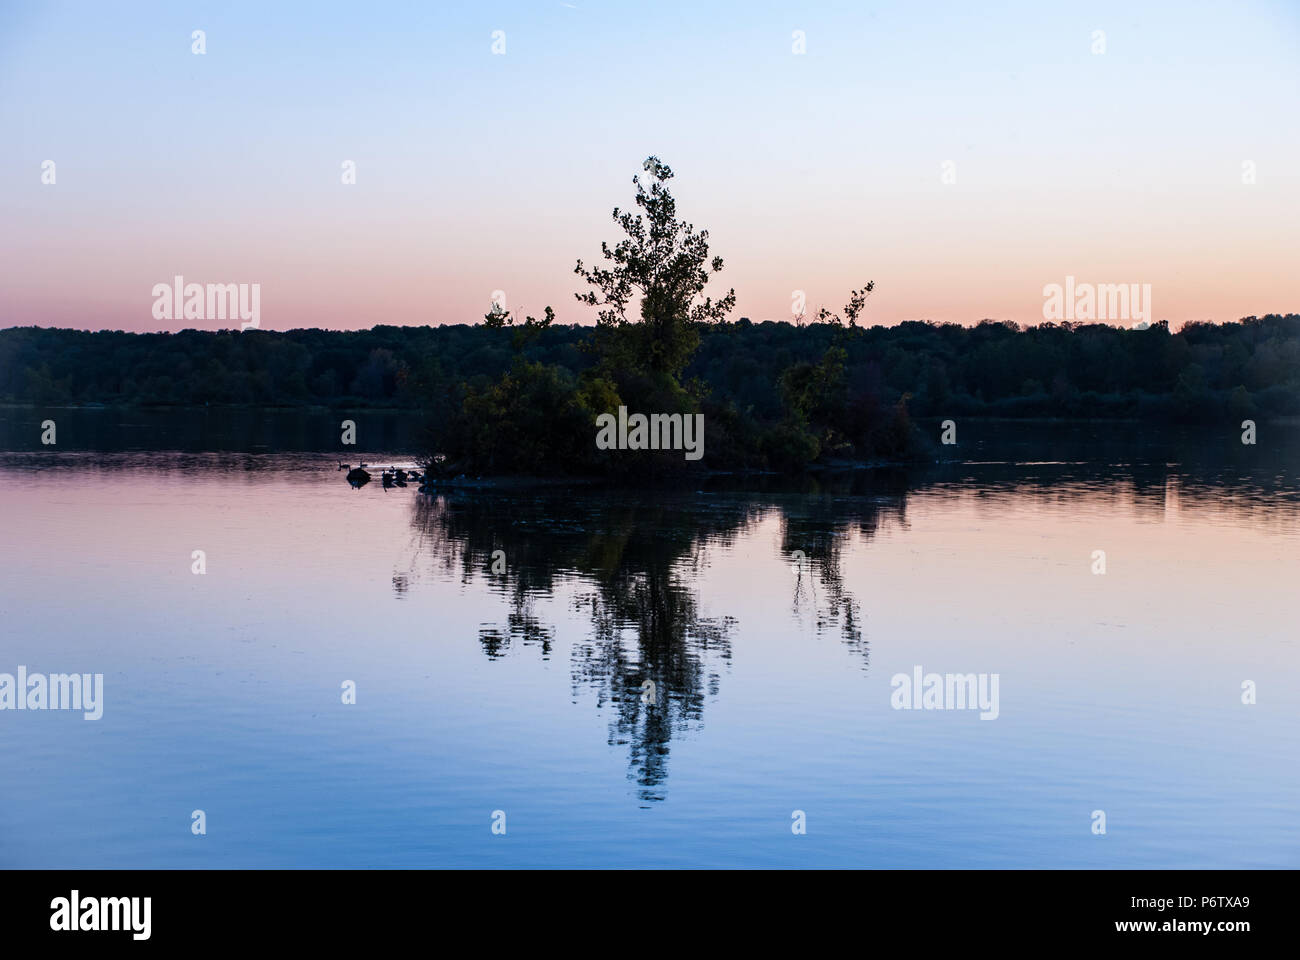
{"x": 392, "y": 477}
{"x": 357, "y": 476}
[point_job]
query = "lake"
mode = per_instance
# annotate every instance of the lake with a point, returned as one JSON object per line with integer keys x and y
{"x": 697, "y": 676}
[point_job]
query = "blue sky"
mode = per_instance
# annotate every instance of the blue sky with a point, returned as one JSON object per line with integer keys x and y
{"x": 478, "y": 172}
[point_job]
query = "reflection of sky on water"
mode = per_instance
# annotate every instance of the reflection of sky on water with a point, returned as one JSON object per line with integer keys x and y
{"x": 521, "y": 690}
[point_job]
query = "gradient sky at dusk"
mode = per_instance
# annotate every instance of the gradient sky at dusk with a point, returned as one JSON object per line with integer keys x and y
{"x": 478, "y": 172}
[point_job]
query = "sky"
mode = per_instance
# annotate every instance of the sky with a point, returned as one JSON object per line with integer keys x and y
{"x": 960, "y": 156}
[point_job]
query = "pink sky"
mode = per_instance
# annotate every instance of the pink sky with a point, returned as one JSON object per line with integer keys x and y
{"x": 815, "y": 172}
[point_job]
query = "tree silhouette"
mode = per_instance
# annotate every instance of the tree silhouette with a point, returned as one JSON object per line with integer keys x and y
{"x": 665, "y": 263}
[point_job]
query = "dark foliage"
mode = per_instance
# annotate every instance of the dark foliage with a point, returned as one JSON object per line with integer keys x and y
{"x": 773, "y": 388}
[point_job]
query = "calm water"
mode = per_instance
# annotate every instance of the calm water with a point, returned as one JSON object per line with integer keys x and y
{"x": 520, "y": 690}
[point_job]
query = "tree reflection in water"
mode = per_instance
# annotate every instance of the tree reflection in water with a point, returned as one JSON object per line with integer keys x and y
{"x": 652, "y": 658}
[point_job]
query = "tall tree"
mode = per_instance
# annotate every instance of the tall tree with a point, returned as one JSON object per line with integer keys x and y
{"x": 665, "y": 263}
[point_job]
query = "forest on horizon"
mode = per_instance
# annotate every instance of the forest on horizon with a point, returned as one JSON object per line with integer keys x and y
{"x": 1202, "y": 372}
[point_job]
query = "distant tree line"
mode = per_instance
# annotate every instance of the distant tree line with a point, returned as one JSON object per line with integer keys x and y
{"x": 1204, "y": 372}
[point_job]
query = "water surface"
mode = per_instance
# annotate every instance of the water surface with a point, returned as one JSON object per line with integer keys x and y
{"x": 500, "y": 643}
